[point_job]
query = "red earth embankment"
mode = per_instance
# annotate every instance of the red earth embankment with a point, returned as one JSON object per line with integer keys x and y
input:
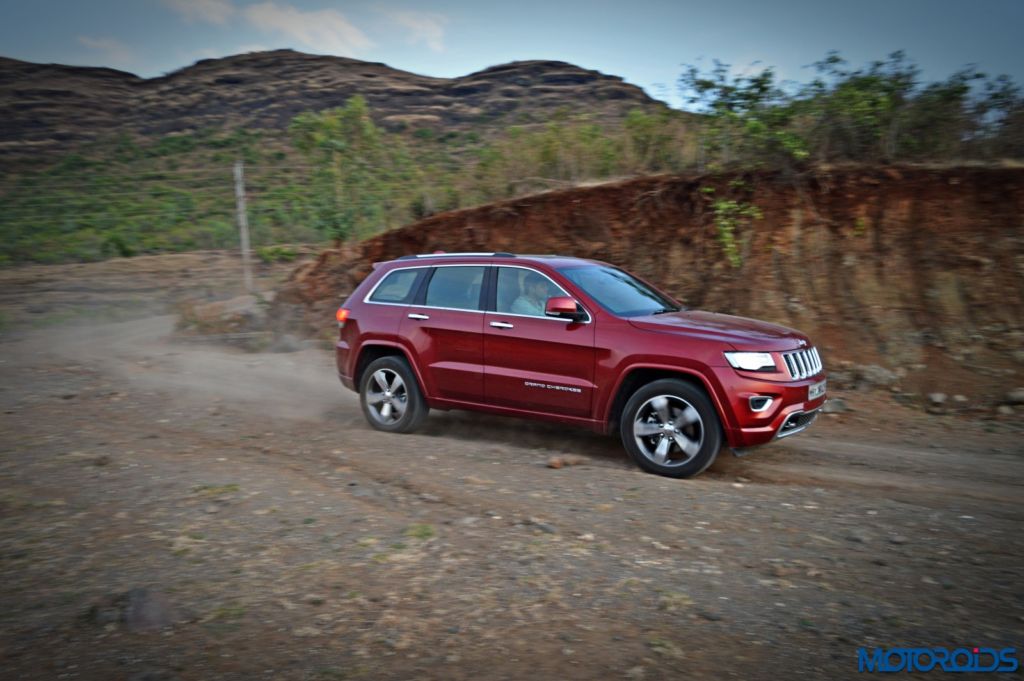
{"x": 917, "y": 270}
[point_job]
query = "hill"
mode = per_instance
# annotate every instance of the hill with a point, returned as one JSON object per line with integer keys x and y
{"x": 51, "y": 107}
{"x": 97, "y": 163}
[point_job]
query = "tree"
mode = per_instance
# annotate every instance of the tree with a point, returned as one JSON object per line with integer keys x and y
{"x": 362, "y": 179}
{"x": 878, "y": 113}
{"x": 746, "y": 118}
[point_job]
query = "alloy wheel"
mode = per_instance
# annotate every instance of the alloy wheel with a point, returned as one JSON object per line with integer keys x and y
{"x": 386, "y": 397}
{"x": 668, "y": 430}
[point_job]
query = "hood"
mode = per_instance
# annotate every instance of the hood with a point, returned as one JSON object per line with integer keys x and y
{"x": 740, "y": 332}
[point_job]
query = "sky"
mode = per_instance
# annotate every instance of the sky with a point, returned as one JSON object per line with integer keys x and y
{"x": 644, "y": 41}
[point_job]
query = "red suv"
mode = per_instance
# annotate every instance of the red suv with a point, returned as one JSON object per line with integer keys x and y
{"x": 572, "y": 341}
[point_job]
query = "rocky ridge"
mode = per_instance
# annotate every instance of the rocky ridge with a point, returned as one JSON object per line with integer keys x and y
{"x": 46, "y": 107}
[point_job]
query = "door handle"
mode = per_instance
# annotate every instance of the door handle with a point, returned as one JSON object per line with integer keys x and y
{"x": 501, "y": 325}
{"x": 417, "y": 315}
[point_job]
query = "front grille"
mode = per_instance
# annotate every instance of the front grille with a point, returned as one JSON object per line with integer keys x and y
{"x": 802, "y": 363}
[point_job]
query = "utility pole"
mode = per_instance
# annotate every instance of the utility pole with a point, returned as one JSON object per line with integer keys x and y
{"x": 243, "y": 224}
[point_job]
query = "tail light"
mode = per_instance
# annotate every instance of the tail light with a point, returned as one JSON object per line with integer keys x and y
{"x": 342, "y": 316}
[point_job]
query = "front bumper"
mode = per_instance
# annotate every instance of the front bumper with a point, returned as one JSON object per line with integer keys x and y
{"x": 789, "y": 413}
{"x": 797, "y": 422}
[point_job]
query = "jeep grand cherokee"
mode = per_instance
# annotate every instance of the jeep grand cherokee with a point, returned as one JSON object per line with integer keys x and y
{"x": 572, "y": 341}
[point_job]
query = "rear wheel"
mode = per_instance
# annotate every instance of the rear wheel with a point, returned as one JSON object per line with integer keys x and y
{"x": 670, "y": 427}
{"x": 390, "y": 396}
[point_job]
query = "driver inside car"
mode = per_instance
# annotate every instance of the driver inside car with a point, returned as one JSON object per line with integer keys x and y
{"x": 534, "y": 296}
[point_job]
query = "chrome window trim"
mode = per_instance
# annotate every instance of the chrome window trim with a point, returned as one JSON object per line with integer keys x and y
{"x": 366, "y": 298}
{"x": 435, "y": 307}
{"x": 533, "y": 316}
{"x": 544, "y": 316}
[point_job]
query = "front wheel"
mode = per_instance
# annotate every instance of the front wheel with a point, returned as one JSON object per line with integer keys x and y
{"x": 390, "y": 397}
{"x": 669, "y": 427}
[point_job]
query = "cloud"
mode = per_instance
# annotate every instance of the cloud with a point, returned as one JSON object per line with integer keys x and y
{"x": 325, "y": 30}
{"x": 424, "y": 27}
{"x": 209, "y": 11}
{"x": 114, "y": 52}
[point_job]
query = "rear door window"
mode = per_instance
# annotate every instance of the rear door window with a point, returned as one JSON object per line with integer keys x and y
{"x": 456, "y": 287}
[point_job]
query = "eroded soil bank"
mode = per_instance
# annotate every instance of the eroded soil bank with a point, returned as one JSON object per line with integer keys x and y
{"x": 919, "y": 271}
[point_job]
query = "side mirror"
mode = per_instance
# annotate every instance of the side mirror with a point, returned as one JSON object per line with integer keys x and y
{"x": 564, "y": 307}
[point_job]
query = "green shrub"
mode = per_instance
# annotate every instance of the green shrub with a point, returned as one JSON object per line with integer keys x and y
{"x": 272, "y": 254}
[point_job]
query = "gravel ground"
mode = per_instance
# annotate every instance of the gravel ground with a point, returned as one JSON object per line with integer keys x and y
{"x": 180, "y": 511}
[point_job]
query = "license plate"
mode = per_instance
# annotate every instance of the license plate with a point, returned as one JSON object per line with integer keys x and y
{"x": 816, "y": 390}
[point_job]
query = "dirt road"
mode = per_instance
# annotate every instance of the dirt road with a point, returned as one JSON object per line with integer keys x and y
{"x": 181, "y": 511}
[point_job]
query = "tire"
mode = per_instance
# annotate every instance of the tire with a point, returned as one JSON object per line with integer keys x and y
{"x": 391, "y": 397}
{"x": 669, "y": 427}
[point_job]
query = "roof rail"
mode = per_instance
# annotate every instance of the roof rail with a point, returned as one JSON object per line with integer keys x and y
{"x": 455, "y": 255}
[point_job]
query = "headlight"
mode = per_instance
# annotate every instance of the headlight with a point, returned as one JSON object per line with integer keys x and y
{"x": 751, "y": 361}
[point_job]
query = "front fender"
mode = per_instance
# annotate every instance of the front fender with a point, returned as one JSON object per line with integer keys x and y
{"x": 707, "y": 380}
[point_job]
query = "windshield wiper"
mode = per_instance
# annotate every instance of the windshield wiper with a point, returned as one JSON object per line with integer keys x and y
{"x": 663, "y": 310}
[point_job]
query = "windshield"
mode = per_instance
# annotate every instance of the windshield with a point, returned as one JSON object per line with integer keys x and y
{"x": 618, "y": 292}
